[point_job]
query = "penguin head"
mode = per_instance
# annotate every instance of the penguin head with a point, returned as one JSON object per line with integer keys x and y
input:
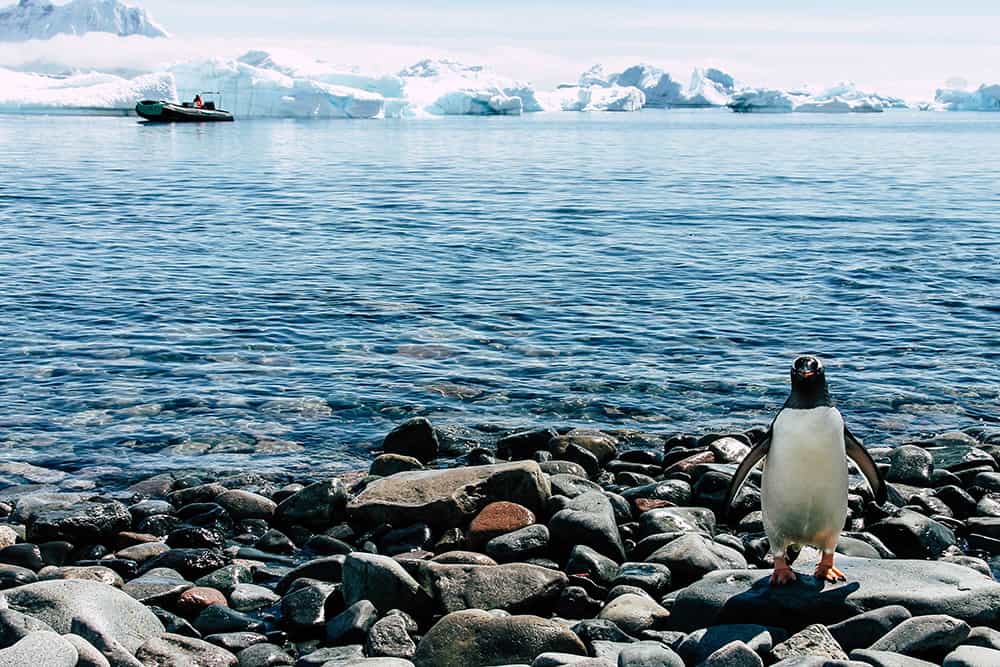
{"x": 808, "y": 371}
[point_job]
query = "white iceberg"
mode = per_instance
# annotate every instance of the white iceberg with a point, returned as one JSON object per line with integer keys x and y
{"x": 594, "y": 98}
{"x": 299, "y": 66}
{"x": 445, "y": 88}
{"x": 984, "y": 98}
{"x": 80, "y": 93}
{"x": 254, "y": 92}
{"x": 761, "y": 100}
{"x": 40, "y": 19}
{"x": 660, "y": 89}
{"x": 708, "y": 88}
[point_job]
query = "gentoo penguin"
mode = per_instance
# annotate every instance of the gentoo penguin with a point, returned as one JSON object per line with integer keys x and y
{"x": 804, "y": 487}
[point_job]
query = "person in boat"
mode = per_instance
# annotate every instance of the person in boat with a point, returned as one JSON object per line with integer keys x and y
{"x": 198, "y": 104}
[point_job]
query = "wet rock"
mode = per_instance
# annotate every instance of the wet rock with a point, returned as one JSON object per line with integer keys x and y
{"x": 217, "y": 619}
{"x": 677, "y": 520}
{"x": 700, "y": 644}
{"x": 264, "y": 655}
{"x": 170, "y": 650}
{"x": 690, "y": 557}
{"x": 250, "y": 597}
{"x": 157, "y": 587}
{"x": 325, "y": 545}
{"x": 910, "y": 464}
{"x": 929, "y": 637}
{"x": 274, "y": 541}
{"x": 174, "y": 624}
{"x": 589, "y": 563}
{"x": 196, "y": 537}
{"x": 654, "y": 578}
{"x": 515, "y": 587}
{"x": 572, "y": 486}
{"x": 304, "y": 609}
{"x": 351, "y": 625}
{"x": 383, "y": 582}
{"x": 648, "y": 654}
{"x": 40, "y": 648}
{"x": 865, "y": 629}
{"x": 246, "y": 505}
{"x": 575, "y": 602}
{"x": 24, "y": 555}
{"x": 389, "y": 638}
{"x": 972, "y": 656}
{"x": 106, "y": 610}
{"x": 316, "y": 506}
{"x": 140, "y": 553}
{"x": 475, "y": 637}
{"x": 563, "y": 468}
{"x": 519, "y": 544}
{"x": 97, "y": 573}
{"x": 226, "y": 578}
{"x": 912, "y": 535}
{"x": 414, "y": 437}
{"x": 733, "y": 654}
{"x": 498, "y": 518}
{"x": 635, "y": 613}
{"x": 329, "y": 569}
{"x": 813, "y": 640}
{"x": 523, "y": 445}
{"x": 234, "y": 642}
{"x": 447, "y": 498}
{"x": 923, "y": 587}
{"x": 389, "y": 464}
{"x": 194, "y": 600}
{"x": 589, "y": 519}
{"x": 190, "y": 563}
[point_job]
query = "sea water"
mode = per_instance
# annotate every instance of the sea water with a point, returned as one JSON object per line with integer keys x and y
{"x": 281, "y": 294}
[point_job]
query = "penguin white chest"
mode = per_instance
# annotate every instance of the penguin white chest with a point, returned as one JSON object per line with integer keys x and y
{"x": 804, "y": 489}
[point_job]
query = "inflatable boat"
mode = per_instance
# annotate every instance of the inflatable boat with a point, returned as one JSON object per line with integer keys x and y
{"x": 171, "y": 112}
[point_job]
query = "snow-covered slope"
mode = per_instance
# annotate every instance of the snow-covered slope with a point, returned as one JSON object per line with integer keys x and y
{"x": 40, "y": 19}
{"x": 89, "y": 92}
{"x": 984, "y": 98}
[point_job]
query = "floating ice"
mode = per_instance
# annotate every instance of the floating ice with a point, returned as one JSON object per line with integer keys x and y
{"x": 984, "y": 98}
{"x": 80, "y": 93}
{"x": 445, "y": 87}
{"x": 708, "y": 88}
{"x": 761, "y": 100}
{"x": 40, "y": 19}
{"x": 594, "y": 98}
{"x": 660, "y": 90}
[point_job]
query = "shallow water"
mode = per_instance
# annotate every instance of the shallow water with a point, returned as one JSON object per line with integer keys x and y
{"x": 288, "y": 291}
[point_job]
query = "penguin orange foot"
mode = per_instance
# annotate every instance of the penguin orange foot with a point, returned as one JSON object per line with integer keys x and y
{"x": 782, "y": 573}
{"x": 826, "y": 570}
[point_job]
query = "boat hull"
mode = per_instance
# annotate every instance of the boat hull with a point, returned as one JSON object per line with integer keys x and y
{"x": 167, "y": 112}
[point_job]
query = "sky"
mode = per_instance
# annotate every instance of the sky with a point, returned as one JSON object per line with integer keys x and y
{"x": 901, "y": 47}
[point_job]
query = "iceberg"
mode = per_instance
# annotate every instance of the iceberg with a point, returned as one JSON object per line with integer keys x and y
{"x": 40, "y": 19}
{"x": 708, "y": 88}
{"x": 91, "y": 92}
{"x": 446, "y": 87}
{"x": 595, "y": 98}
{"x": 299, "y": 66}
{"x": 761, "y": 100}
{"x": 660, "y": 90}
{"x": 984, "y": 98}
{"x": 254, "y": 92}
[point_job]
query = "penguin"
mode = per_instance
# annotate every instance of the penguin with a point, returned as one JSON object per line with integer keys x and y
{"x": 804, "y": 485}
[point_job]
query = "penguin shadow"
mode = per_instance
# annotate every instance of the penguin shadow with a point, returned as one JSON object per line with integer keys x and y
{"x": 806, "y": 600}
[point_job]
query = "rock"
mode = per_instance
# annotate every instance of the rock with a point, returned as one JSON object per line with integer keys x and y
{"x": 15, "y": 626}
{"x": 515, "y": 588}
{"x": 177, "y": 651}
{"x": 635, "y": 613}
{"x": 105, "y": 610}
{"x": 448, "y": 498}
{"x": 217, "y": 619}
{"x": 475, "y": 637}
{"x": 383, "y": 582}
{"x": 333, "y": 656}
{"x": 648, "y": 654}
{"x": 813, "y": 640}
{"x": 351, "y": 625}
{"x": 82, "y": 523}
{"x": 589, "y": 519}
{"x": 972, "y": 656}
{"x": 584, "y": 561}
{"x": 13, "y": 575}
{"x": 87, "y": 653}
{"x": 190, "y": 563}
{"x": 40, "y": 648}
{"x": 329, "y": 569}
{"x": 983, "y": 636}
{"x": 246, "y": 505}
{"x": 929, "y": 637}
{"x": 888, "y": 659}
{"x": 194, "y": 600}
{"x": 389, "y": 464}
{"x": 497, "y": 519}
{"x": 700, "y": 644}
{"x": 850, "y": 546}
{"x": 520, "y": 544}
{"x": 234, "y": 642}
{"x": 524, "y": 444}
{"x": 23, "y": 555}
{"x": 922, "y": 587}
{"x": 677, "y": 520}
{"x": 690, "y": 557}
{"x": 264, "y": 655}
{"x": 156, "y": 587}
{"x": 414, "y": 437}
{"x": 912, "y": 535}
{"x": 463, "y": 558}
{"x": 388, "y": 638}
{"x": 865, "y": 629}
{"x": 654, "y": 578}
{"x": 304, "y": 609}
{"x": 142, "y": 552}
{"x": 8, "y": 536}
{"x": 250, "y": 597}
{"x": 733, "y": 654}
{"x": 910, "y": 464}
{"x": 316, "y": 506}
{"x": 200, "y": 493}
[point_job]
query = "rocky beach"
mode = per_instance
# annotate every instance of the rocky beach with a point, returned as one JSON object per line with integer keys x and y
{"x": 547, "y": 547}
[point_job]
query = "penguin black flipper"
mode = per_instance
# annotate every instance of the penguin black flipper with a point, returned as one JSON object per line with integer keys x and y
{"x": 752, "y": 458}
{"x": 857, "y": 453}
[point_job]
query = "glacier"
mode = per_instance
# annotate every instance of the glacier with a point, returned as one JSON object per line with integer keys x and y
{"x": 40, "y": 19}
{"x": 92, "y": 92}
{"x": 984, "y": 98}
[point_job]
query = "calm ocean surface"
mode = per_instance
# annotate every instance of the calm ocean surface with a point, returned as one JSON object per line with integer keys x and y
{"x": 283, "y": 293}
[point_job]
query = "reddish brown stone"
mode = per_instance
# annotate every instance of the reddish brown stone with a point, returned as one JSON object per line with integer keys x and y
{"x": 646, "y": 504}
{"x": 498, "y": 518}
{"x": 128, "y": 538}
{"x": 686, "y": 465}
{"x": 192, "y": 601}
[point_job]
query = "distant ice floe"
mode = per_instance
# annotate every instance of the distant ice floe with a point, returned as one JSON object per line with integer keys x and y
{"x": 449, "y": 88}
{"x": 92, "y": 92}
{"x": 984, "y": 98}
{"x": 594, "y": 98}
{"x": 841, "y": 98}
{"x": 41, "y": 19}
